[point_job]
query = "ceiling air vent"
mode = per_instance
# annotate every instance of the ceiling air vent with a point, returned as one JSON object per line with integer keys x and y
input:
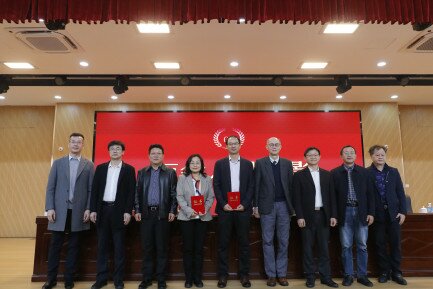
{"x": 422, "y": 43}
{"x": 45, "y": 40}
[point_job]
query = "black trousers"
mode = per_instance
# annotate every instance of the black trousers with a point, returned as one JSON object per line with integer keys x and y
{"x": 154, "y": 238}
{"x": 108, "y": 231}
{"x": 316, "y": 233}
{"x": 193, "y": 237}
{"x": 386, "y": 233}
{"x": 56, "y": 244}
{"x": 240, "y": 221}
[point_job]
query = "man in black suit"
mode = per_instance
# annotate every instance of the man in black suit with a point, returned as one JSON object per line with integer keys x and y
{"x": 155, "y": 207}
{"x": 233, "y": 174}
{"x": 354, "y": 188}
{"x": 111, "y": 205}
{"x": 316, "y": 210}
{"x": 390, "y": 215}
{"x": 273, "y": 205}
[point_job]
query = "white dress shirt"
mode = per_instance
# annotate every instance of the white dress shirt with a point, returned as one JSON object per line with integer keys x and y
{"x": 316, "y": 178}
{"x": 111, "y": 184}
{"x": 235, "y": 172}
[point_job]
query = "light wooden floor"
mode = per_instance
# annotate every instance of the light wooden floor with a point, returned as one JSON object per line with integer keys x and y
{"x": 16, "y": 266}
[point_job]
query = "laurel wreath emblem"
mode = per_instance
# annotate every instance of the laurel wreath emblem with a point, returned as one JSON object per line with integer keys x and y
{"x": 216, "y": 136}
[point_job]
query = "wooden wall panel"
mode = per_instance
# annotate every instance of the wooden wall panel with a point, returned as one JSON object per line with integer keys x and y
{"x": 417, "y": 140}
{"x": 25, "y": 159}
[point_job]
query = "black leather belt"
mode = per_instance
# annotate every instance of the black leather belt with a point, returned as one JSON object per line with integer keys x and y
{"x": 109, "y": 204}
{"x": 153, "y": 208}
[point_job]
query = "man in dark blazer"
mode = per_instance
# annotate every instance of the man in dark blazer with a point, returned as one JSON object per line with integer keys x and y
{"x": 111, "y": 206}
{"x": 67, "y": 204}
{"x": 233, "y": 174}
{"x": 316, "y": 210}
{"x": 155, "y": 207}
{"x": 273, "y": 205}
{"x": 354, "y": 188}
{"x": 390, "y": 214}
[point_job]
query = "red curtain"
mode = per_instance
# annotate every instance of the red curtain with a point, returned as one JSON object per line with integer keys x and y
{"x": 183, "y": 11}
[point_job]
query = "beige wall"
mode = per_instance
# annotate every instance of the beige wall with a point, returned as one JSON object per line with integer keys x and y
{"x": 417, "y": 141}
{"x": 25, "y": 159}
{"x": 37, "y": 133}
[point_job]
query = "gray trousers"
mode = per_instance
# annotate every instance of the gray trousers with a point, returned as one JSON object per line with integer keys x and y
{"x": 277, "y": 221}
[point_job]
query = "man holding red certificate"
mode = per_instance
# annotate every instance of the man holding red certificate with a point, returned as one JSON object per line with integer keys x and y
{"x": 234, "y": 189}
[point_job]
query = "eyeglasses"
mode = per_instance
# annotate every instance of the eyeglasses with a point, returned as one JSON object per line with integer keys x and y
{"x": 312, "y": 156}
{"x": 232, "y": 143}
{"x": 348, "y": 153}
{"x": 115, "y": 149}
{"x": 274, "y": 145}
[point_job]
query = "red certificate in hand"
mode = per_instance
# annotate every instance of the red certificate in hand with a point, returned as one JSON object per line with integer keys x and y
{"x": 234, "y": 199}
{"x": 197, "y": 204}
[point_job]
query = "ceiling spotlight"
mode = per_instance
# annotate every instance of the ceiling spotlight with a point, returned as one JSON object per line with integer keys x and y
{"x": 55, "y": 25}
{"x": 278, "y": 80}
{"x": 343, "y": 84}
{"x": 170, "y": 97}
{"x": 84, "y": 63}
{"x": 60, "y": 80}
{"x": 234, "y": 64}
{"x": 394, "y": 96}
{"x": 338, "y": 96}
{"x": 2, "y": 97}
{"x": 4, "y": 84}
{"x": 421, "y": 26}
{"x": 114, "y": 97}
{"x": 227, "y": 96}
{"x": 57, "y": 97}
{"x": 381, "y": 64}
{"x": 41, "y": 20}
{"x": 120, "y": 85}
{"x": 185, "y": 80}
{"x": 241, "y": 20}
{"x": 283, "y": 97}
{"x": 403, "y": 80}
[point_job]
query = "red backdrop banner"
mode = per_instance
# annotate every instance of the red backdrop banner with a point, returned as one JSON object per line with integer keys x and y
{"x": 185, "y": 133}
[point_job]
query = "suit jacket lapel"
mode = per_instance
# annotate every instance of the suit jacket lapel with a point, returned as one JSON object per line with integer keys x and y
{"x": 67, "y": 169}
{"x": 309, "y": 176}
{"x": 227, "y": 173}
{"x": 268, "y": 169}
{"x": 81, "y": 166}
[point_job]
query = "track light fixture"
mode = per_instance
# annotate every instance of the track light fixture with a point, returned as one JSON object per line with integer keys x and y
{"x": 421, "y": 26}
{"x": 343, "y": 84}
{"x": 120, "y": 85}
{"x": 185, "y": 80}
{"x": 278, "y": 80}
{"x": 60, "y": 80}
{"x": 4, "y": 84}
{"x": 55, "y": 25}
{"x": 403, "y": 80}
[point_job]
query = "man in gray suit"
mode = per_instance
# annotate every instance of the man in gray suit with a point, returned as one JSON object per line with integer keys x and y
{"x": 67, "y": 204}
{"x": 273, "y": 205}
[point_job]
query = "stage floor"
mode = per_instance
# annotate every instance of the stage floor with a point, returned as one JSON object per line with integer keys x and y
{"x": 16, "y": 267}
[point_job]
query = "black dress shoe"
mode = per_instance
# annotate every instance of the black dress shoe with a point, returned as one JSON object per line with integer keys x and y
{"x": 398, "y": 278}
{"x": 383, "y": 278}
{"x": 162, "y": 285}
{"x": 311, "y": 282}
{"x": 98, "y": 285}
{"x": 222, "y": 282}
{"x": 245, "y": 282}
{"x": 347, "y": 280}
{"x": 188, "y": 284}
{"x": 364, "y": 281}
{"x": 198, "y": 283}
{"x": 49, "y": 284}
{"x": 69, "y": 285}
{"x": 144, "y": 284}
{"x": 120, "y": 286}
{"x": 329, "y": 282}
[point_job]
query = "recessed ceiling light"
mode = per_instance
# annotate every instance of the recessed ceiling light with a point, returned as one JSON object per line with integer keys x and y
{"x": 381, "y": 64}
{"x": 2, "y": 97}
{"x": 227, "y": 96}
{"x": 241, "y": 20}
{"x": 153, "y": 28}
{"x": 234, "y": 64}
{"x": 283, "y": 97}
{"x": 339, "y": 96}
{"x": 57, "y": 97}
{"x": 166, "y": 65}
{"x": 84, "y": 63}
{"x": 344, "y": 28}
{"x": 114, "y": 97}
{"x": 19, "y": 65}
{"x": 314, "y": 65}
{"x": 41, "y": 20}
{"x": 170, "y": 97}
{"x": 394, "y": 96}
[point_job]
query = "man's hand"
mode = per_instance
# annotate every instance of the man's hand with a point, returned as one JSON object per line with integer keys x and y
{"x": 256, "y": 212}
{"x": 86, "y": 216}
{"x": 93, "y": 216}
{"x": 171, "y": 217}
{"x": 301, "y": 223}
{"x": 227, "y": 208}
{"x": 137, "y": 217}
{"x": 126, "y": 218}
{"x": 333, "y": 222}
{"x": 370, "y": 219}
{"x": 194, "y": 214}
{"x": 240, "y": 208}
{"x": 402, "y": 218}
{"x": 51, "y": 214}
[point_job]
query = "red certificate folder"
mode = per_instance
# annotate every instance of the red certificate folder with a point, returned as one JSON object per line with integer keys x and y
{"x": 234, "y": 199}
{"x": 197, "y": 204}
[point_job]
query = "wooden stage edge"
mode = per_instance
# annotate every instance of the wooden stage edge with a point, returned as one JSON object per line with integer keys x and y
{"x": 417, "y": 249}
